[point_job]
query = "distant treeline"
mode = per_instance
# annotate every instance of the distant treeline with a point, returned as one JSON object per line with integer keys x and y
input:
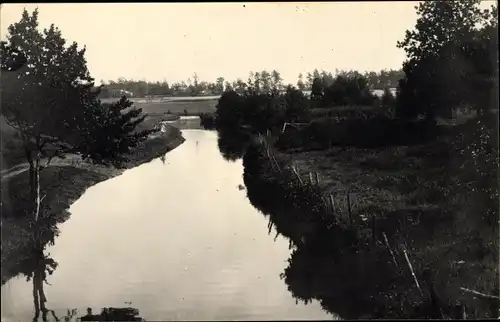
{"x": 264, "y": 80}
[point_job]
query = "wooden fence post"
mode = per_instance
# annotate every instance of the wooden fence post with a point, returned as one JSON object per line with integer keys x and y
{"x": 374, "y": 233}
{"x": 332, "y": 203}
{"x": 277, "y": 164}
{"x": 349, "y": 208}
{"x": 390, "y": 249}
{"x": 294, "y": 168}
{"x": 412, "y": 272}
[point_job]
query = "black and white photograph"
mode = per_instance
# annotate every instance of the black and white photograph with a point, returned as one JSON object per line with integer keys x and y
{"x": 249, "y": 161}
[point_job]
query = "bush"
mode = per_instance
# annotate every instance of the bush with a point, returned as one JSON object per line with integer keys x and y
{"x": 371, "y": 132}
{"x": 207, "y": 120}
{"x": 475, "y": 149}
{"x": 261, "y": 112}
{"x": 348, "y": 90}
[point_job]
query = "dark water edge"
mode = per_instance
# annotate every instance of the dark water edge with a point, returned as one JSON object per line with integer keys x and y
{"x": 336, "y": 262}
{"x": 326, "y": 263}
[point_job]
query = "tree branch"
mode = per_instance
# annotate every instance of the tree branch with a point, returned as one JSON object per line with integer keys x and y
{"x": 479, "y": 293}
{"x": 48, "y": 161}
{"x": 15, "y": 126}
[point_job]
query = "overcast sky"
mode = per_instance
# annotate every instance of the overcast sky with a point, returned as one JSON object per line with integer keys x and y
{"x": 156, "y": 41}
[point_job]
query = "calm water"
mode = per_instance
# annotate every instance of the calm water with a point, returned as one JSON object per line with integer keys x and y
{"x": 177, "y": 239}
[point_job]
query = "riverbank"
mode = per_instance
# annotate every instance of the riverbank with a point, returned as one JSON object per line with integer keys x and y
{"x": 61, "y": 185}
{"x": 400, "y": 194}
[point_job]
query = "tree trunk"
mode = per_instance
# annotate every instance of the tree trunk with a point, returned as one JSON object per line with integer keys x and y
{"x": 34, "y": 173}
{"x": 36, "y": 299}
{"x": 38, "y": 292}
{"x": 39, "y": 298}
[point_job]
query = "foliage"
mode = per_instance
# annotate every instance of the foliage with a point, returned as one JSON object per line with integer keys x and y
{"x": 262, "y": 80}
{"x": 348, "y": 90}
{"x": 476, "y": 150}
{"x": 261, "y": 111}
{"x": 450, "y": 59}
{"x": 388, "y": 100}
{"x": 207, "y": 121}
{"x": 51, "y": 102}
{"x": 374, "y": 132}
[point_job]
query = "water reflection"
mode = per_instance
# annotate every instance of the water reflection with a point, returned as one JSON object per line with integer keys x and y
{"x": 232, "y": 144}
{"x": 349, "y": 274}
{"x": 326, "y": 263}
{"x": 180, "y": 241}
{"x": 113, "y": 314}
{"x": 37, "y": 265}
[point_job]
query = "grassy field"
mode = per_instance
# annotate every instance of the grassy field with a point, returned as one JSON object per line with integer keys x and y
{"x": 177, "y": 107}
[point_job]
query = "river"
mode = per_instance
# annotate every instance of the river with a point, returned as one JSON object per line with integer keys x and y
{"x": 178, "y": 239}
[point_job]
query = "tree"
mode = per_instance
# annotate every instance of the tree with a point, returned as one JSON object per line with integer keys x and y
{"x": 300, "y": 83}
{"x": 316, "y": 74}
{"x": 250, "y": 80}
{"x": 297, "y": 107}
{"x": 196, "y": 83}
{"x": 347, "y": 89}
{"x": 257, "y": 81}
{"x": 317, "y": 89}
{"x": 228, "y": 86}
{"x": 439, "y": 23}
{"x": 240, "y": 86}
{"x": 310, "y": 80}
{"x": 265, "y": 78}
{"x": 219, "y": 85}
{"x": 277, "y": 80}
{"x": 388, "y": 99}
{"x": 51, "y": 102}
{"x": 439, "y": 66}
{"x": 326, "y": 79}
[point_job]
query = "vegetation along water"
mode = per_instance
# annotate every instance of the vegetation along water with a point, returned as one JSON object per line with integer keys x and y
{"x": 348, "y": 195}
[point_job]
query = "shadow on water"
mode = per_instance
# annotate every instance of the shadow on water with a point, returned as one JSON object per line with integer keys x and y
{"x": 317, "y": 240}
{"x": 232, "y": 144}
{"x": 37, "y": 265}
{"x": 325, "y": 263}
{"x": 350, "y": 274}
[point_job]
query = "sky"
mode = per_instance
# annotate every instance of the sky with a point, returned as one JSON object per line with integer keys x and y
{"x": 172, "y": 41}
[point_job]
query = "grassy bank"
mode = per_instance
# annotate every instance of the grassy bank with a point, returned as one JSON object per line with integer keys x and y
{"x": 407, "y": 194}
{"x": 62, "y": 185}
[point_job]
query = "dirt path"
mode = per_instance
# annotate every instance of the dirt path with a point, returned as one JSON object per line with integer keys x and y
{"x": 20, "y": 168}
